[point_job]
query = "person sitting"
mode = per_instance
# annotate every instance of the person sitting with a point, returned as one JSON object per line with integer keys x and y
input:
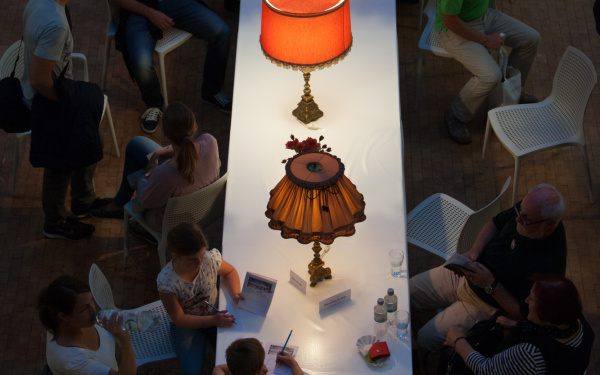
{"x": 193, "y": 163}
{"x": 75, "y": 343}
{"x": 247, "y": 356}
{"x": 555, "y": 338}
{"x": 186, "y": 286}
{"x": 523, "y": 240}
{"x": 468, "y": 29}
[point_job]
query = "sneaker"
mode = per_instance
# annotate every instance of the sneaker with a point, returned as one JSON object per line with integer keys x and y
{"x": 219, "y": 100}
{"x": 150, "y": 119}
{"x": 527, "y": 99}
{"x": 79, "y": 213}
{"x": 457, "y": 129}
{"x": 103, "y": 213}
{"x": 137, "y": 230}
{"x": 69, "y": 229}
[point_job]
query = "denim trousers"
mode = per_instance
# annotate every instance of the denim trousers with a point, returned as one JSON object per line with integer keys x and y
{"x": 190, "y": 16}
{"x": 523, "y": 41}
{"x": 190, "y": 346}
{"x": 135, "y": 159}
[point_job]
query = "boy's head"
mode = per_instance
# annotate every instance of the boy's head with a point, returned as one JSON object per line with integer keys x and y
{"x": 245, "y": 357}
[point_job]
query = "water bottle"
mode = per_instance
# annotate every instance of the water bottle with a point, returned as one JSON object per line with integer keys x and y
{"x": 380, "y": 315}
{"x": 132, "y": 320}
{"x": 391, "y": 305}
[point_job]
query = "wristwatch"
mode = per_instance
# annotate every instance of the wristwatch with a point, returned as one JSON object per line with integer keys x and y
{"x": 490, "y": 288}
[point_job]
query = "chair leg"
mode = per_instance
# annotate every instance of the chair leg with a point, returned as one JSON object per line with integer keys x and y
{"x": 111, "y": 125}
{"x": 486, "y": 138}
{"x": 586, "y": 162}
{"x": 20, "y": 138}
{"x": 418, "y": 88}
{"x": 421, "y": 6}
{"x": 163, "y": 77}
{"x": 126, "y": 218}
{"x": 516, "y": 178}
{"x": 105, "y": 64}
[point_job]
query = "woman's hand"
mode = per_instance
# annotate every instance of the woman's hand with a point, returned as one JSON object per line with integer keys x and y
{"x": 114, "y": 325}
{"x": 237, "y": 297}
{"x": 152, "y": 163}
{"x": 454, "y": 332}
{"x": 223, "y": 320}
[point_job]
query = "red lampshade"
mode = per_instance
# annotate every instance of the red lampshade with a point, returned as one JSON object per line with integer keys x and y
{"x": 305, "y": 33}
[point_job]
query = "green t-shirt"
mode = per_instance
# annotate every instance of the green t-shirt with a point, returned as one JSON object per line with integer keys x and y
{"x": 467, "y": 10}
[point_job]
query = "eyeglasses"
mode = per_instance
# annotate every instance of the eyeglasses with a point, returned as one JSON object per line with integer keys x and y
{"x": 525, "y": 222}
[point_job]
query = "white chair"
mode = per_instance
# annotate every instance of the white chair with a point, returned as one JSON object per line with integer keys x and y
{"x": 148, "y": 346}
{"x": 557, "y": 121}
{"x": 444, "y": 226}
{"x": 202, "y": 207}
{"x": 172, "y": 38}
{"x": 7, "y": 63}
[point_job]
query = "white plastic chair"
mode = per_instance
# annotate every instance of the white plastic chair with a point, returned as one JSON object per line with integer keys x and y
{"x": 202, "y": 207}
{"x": 172, "y": 38}
{"x": 7, "y": 63}
{"x": 557, "y": 121}
{"x": 444, "y": 226}
{"x": 148, "y": 346}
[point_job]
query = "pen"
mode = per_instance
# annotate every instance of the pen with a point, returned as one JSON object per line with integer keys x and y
{"x": 284, "y": 345}
{"x": 217, "y": 310}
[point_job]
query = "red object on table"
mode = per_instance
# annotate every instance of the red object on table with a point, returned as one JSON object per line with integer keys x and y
{"x": 379, "y": 350}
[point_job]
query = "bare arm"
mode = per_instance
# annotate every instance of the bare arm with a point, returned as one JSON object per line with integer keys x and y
{"x": 114, "y": 326}
{"x": 221, "y": 370}
{"x": 231, "y": 280}
{"x": 41, "y": 77}
{"x": 184, "y": 320}
{"x": 460, "y": 28}
{"x": 485, "y": 236}
{"x": 159, "y": 19}
{"x": 481, "y": 276}
{"x": 289, "y": 361}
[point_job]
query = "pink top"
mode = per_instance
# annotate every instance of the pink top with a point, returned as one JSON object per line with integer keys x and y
{"x": 166, "y": 181}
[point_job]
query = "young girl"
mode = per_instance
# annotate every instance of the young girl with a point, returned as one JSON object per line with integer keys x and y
{"x": 185, "y": 286}
{"x": 75, "y": 344}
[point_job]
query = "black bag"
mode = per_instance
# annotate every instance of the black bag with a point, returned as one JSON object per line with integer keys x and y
{"x": 484, "y": 337}
{"x": 15, "y": 117}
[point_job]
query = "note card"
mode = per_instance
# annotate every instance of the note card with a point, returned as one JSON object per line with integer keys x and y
{"x": 298, "y": 282}
{"x": 334, "y": 300}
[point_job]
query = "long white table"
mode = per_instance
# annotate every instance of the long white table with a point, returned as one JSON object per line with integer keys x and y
{"x": 360, "y": 99}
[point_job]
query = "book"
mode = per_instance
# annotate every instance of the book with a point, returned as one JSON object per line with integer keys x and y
{"x": 258, "y": 291}
{"x": 458, "y": 264}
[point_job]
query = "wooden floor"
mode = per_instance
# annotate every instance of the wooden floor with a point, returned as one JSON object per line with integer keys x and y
{"x": 433, "y": 163}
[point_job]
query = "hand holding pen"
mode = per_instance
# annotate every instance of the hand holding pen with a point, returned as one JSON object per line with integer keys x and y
{"x": 284, "y": 345}
{"x": 223, "y": 320}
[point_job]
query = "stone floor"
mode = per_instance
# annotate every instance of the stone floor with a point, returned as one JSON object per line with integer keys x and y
{"x": 433, "y": 163}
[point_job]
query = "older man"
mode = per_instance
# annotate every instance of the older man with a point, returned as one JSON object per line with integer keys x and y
{"x": 468, "y": 29}
{"x": 523, "y": 240}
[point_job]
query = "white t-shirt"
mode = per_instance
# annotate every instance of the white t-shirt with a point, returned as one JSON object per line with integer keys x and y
{"x": 73, "y": 360}
{"x": 191, "y": 295}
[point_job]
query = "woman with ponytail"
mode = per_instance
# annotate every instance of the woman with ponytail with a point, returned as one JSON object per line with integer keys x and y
{"x": 189, "y": 164}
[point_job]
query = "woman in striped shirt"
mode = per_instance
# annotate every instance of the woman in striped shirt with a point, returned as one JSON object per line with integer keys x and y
{"x": 555, "y": 338}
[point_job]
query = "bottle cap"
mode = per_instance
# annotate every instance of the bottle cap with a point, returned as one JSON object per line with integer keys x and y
{"x": 380, "y": 301}
{"x": 390, "y": 291}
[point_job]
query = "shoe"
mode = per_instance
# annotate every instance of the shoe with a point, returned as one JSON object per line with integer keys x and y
{"x": 69, "y": 229}
{"x": 137, "y": 230}
{"x": 103, "y": 213}
{"x": 98, "y": 203}
{"x": 457, "y": 129}
{"x": 219, "y": 100}
{"x": 150, "y": 119}
{"x": 528, "y": 99}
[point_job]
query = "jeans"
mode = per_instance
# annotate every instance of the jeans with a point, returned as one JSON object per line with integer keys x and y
{"x": 523, "y": 40}
{"x": 190, "y": 345}
{"x": 190, "y": 16}
{"x": 135, "y": 159}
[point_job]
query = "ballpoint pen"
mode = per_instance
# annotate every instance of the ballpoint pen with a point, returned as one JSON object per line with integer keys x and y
{"x": 217, "y": 310}
{"x": 284, "y": 345}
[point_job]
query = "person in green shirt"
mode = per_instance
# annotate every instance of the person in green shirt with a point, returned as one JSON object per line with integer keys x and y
{"x": 468, "y": 30}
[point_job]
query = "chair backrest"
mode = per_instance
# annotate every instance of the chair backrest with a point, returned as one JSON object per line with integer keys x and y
{"x": 100, "y": 288}
{"x": 154, "y": 345}
{"x": 7, "y": 62}
{"x": 477, "y": 220}
{"x": 429, "y": 39}
{"x": 573, "y": 82}
{"x": 114, "y": 13}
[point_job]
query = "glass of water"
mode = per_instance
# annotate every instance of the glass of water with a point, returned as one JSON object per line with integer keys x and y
{"x": 396, "y": 260}
{"x": 402, "y": 319}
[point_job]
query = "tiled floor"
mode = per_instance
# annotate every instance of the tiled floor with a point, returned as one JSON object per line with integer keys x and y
{"x": 433, "y": 164}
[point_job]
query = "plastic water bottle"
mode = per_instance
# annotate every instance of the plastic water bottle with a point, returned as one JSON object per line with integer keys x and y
{"x": 380, "y": 315}
{"x": 133, "y": 320}
{"x": 391, "y": 305}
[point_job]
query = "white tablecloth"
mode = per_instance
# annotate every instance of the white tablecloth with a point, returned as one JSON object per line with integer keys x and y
{"x": 361, "y": 105}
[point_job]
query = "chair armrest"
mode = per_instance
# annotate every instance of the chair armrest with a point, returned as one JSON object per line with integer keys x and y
{"x": 81, "y": 56}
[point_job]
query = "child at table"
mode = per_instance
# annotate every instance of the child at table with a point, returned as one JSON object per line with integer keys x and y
{"x": 185, "y": 285}
{"x": 247, "y": 356}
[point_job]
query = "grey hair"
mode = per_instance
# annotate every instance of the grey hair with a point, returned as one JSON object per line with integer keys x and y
{"x": 553, "y": 205}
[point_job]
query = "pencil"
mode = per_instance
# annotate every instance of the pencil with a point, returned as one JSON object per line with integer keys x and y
{"x": 284, "y": 345}
{"x": 217, "y": 310}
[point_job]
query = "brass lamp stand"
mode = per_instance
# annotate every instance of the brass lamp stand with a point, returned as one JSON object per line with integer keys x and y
{"x": 307, "y": 110}
{"x": 316, "y": 269}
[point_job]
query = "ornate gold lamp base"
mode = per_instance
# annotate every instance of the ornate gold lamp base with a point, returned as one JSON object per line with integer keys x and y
{"x": 307, "y": 110}
{"x": 316, "y": 269}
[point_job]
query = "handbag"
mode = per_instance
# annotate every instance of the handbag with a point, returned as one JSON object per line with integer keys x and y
{"x": 15, "y": 117}
{"x": 508, "y": 91}
{"x": 484, "y": 337}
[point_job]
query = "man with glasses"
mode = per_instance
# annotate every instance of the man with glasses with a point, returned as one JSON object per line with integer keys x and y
{"x": 525, "y": 239}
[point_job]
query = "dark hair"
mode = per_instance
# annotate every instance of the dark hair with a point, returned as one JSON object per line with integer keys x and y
{"x": 59, "y": 297}
{"x": 186, "y": 239}
{"x": 557, "y": 299}
{"x": 245, "y": 356}
{"x": 178, "y": 125}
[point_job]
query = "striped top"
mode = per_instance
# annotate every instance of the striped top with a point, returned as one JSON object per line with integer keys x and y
{"x": 521, "y": 359}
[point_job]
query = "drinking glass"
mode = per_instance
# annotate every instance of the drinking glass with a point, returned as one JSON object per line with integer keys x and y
{"x": 396, "y": 260}
{"x": 402, "y": 319}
